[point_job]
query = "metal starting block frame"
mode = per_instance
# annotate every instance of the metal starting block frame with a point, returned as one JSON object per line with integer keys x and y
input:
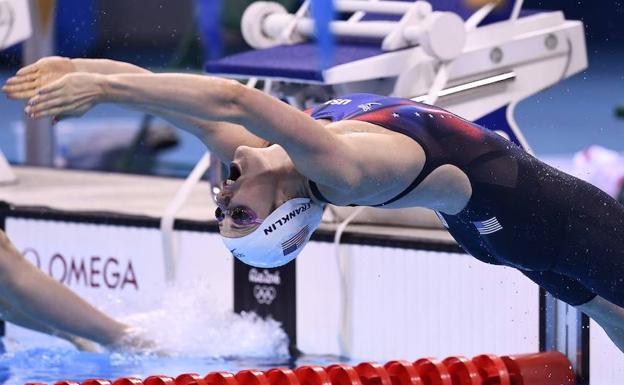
{"x": 461, "y": 64}
{"x": 15, "y": 27}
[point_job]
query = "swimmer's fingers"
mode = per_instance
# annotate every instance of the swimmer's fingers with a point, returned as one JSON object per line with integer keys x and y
{"x": 30, "y": 78}
{"x": 21, "y": 88}
{"x": 74, "y": 109}
{"x": 66, "y": 96}
{"x": 29, "y": 69}
{"x": 21, "y": 94}
{"x": 55, "y": 85}
{"x": 22, "y": 91}
{"x": 45, "y": 101}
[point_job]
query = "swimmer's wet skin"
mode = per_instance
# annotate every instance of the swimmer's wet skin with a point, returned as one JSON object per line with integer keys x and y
{"x": 502, "y": 205}
{"x": 31, "y": 299}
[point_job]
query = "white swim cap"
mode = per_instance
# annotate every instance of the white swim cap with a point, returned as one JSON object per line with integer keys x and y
{"x": 280, "y": 237}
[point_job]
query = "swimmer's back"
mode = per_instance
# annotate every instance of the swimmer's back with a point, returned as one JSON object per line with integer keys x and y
{"x": 562, "y": 232}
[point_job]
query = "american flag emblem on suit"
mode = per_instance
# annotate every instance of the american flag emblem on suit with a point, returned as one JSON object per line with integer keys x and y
{"x": 488, "y": 226}
{"x": 296, "y": 241}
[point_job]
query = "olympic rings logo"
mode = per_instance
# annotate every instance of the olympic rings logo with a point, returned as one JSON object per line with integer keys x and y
{"x": 264, "y": 294}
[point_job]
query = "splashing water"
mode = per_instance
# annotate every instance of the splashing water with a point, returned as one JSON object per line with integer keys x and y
{"x": 191, "y": 329}
{"x": 190, "y": 323}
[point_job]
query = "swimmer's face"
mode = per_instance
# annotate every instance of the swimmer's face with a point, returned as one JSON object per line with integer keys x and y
{"x": 251, "y": 190}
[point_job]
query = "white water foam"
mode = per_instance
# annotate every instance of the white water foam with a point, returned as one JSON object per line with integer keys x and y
{"x": 190, "y": 322}
{"x": 185, "y": 320}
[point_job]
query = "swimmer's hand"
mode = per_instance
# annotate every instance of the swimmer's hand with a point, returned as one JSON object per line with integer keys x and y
{"x": 28, "y": 80}
{"x": 72, "y": 95}
{"x": 135, "y": 340}
{"x": 83, "y": 345}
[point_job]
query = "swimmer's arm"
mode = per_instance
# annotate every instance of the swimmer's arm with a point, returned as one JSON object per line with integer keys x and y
{"x": 314, "y": 150}
{"x": 16, "y": 317}
{"x": 200, "y": 103}
{"x": 107, "y": 67}
{"x": 221, "y": 138}
{"x": 353, "y": 167}
{"x": 29, "y": 79}
{"x": 319, "y": 154}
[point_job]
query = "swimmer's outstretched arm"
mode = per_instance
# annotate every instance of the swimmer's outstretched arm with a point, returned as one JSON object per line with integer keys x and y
{"x": 10, "y": 314}
{"x": 44, "y": 304}
{"x": 315, "y": 150}
{"x": 220, "y": 137}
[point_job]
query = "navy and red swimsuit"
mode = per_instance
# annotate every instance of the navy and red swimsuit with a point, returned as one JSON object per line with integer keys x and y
{"x": 561, "y": 232}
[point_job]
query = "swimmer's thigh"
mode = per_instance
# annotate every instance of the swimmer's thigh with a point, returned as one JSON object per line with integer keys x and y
{"x": 561, "y": 287}
{"x": 593, "y": 249}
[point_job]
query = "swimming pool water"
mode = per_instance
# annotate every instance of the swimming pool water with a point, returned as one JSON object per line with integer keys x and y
{"x": 49, "y": 365}
{"x": 186, "y": 323}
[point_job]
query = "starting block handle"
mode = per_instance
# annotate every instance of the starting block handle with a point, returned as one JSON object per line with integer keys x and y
{"x": 381, "y": 7}
{"x": 441, "y": 34}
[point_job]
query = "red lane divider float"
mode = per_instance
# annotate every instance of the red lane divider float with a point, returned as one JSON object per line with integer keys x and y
{"x": 492, "y": 369}
{"x": 540, "y": 368}
{"x": 462, "y": 371}
{"x": 372, "y": 373}
{"x": 96, "y": 381}
{"x": 220, "y": 378}
{"x": 433, "y": 372}
{"x": 551, "y": 368}
{"x": 341, "y": 374}
{"x": 312, "y": 375}
{"x": 156, "y": 380}
{"x": 125, "y": 381}
{"x": 185, "y": 379}
{"x": 282, "y": 376}
{"x": 403, "y": 373}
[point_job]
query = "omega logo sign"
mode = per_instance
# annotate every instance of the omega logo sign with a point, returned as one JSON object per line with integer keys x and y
{"x": 94, "y": 271}
{"x": 264, "y": 290}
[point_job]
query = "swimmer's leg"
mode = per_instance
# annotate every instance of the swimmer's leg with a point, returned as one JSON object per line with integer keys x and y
{"x": 42, "y": 299}
{"x": 607, "y": 314}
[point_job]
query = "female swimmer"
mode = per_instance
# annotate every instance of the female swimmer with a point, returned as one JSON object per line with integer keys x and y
{"x": 502, "y": 205}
